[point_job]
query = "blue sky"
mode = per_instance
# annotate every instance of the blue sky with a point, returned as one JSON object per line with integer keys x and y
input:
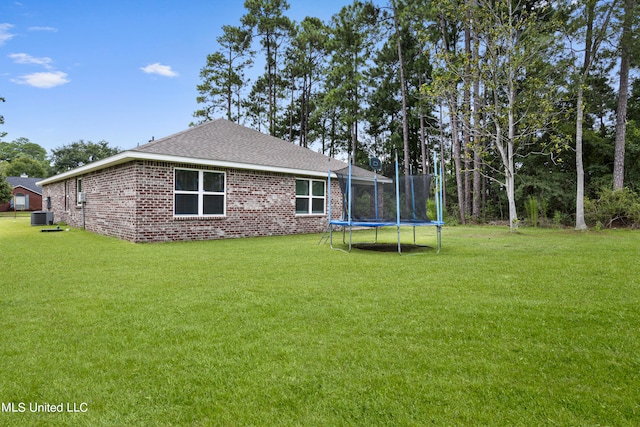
{"x": 114, "y": 70}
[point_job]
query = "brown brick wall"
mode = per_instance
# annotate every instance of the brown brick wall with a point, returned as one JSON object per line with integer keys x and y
{"x": 134, "y": 201}
{"x": 35, "y": 200}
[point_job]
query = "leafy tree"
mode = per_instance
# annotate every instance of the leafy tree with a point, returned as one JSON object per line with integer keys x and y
{"x": 447, "y": 78}
{"x": 632, "y": 151}
{"x": 80, "y": 153}
{"x": 626, "y": 46}
{"x": 305, "y": 66}
{"x": 6, "y": 192}
{"x": 26, "y": 165}
{"x": 266, "y": 18}
{"x": 506, "y": 89}
{"x": 255, "y": 105}
{"x": 385, "y": 113}
{"x": 224, "y": 75}
{"x": 519, "y": 45}
{"x": 22, "y": 147}
{"x": 354, "y": 32}
{"x": 595, "y": 21}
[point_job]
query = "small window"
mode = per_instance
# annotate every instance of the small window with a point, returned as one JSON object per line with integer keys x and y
{"x": 199, "y": 193}
{"x": 21, "y": 202}
{"x": 66, "y": 195}
{"x": 310, "y": 197}
{"x": 78, "y": 191}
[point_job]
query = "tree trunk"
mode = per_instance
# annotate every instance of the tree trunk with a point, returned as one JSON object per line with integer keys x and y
{"x": 510, "y": 172}
{"x": 274, "y": 92}
{"x": 424, "y": 154}
{"x": 303, "y": 141}
{"x": 455, "y": 143}
{"x": 442, "y": 169}
{"x": 403, "y": 93}
{"x": 269, "y": 83}
{"x": 580, "y": 224}
{"x": 229, "y": 88}
{"x": 623, "y": 95}
{"x": 455, "y": 138}
{"x": 477, "y": 144}
{"x": 511, "y": 198}
{"x": 293, "y": 85}
{"x": 354, "y": 112}
{"x": 466, "y": 126}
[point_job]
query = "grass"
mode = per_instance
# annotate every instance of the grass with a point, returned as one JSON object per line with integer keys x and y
{"x": 536, "y": 328}
{"x": 15, "y": 215}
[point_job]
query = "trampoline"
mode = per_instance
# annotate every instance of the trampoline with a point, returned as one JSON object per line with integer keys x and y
{"x": 370, "y": 200}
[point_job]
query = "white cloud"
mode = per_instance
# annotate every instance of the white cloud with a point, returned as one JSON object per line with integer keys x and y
{"x": 52, "y": 29}
{"x": 5, "y": 35}
{"x": 162, "y": 70}
{"x": 23, "y": 58}
{"x": 44, "y": 80}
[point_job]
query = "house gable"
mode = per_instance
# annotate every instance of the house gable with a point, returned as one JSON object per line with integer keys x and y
{"x": 26, "y": 188}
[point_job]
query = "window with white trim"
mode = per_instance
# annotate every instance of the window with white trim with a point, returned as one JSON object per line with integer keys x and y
{"x": 21, "y": 202}
{"x": 78, "y": 191}
{"x": 199, "y": 193}
{"x": 310, "y": 197}
{"x": 66, "y": 195}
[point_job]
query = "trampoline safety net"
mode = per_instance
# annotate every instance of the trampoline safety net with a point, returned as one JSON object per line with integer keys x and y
{"x": 373, "y": 197}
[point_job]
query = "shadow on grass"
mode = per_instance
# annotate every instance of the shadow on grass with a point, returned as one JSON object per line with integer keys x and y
{"x": 391, "y": 247}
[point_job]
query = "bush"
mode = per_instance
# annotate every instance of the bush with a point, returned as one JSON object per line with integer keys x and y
{"x": 431, "y": 209}
{"x": 613, "y": 208}
{"x": 560, "y": 219}
{"x": 531, "y": 206}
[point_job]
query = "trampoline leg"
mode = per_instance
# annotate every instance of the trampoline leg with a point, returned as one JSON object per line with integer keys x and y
{"x": 439, "y": 231}
{"x": 331, "y": 236}
{"x": 399, "y": 245}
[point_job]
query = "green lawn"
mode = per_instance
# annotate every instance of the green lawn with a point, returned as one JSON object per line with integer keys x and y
{"x": 536, "y": 328}
{"x": 13, "y": 215}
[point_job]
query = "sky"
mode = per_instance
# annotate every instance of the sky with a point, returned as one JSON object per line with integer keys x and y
{"x": 122, "y": 71}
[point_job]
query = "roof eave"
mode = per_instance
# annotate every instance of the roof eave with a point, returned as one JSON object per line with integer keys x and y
{"x": 127, "y": 156}
{"x": 28, "y": 189}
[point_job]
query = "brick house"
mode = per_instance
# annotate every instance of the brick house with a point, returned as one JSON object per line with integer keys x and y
{"x": 215, "y": 180}
{"x": 27, "y": 194}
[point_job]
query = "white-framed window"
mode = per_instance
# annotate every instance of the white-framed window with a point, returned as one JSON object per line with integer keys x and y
{"x": 78, "y": 191}
{"x": 199, "y": 193}
{"x": 21, "y": 202}
{"x": 310, "y": 196}
{"x": 66, "y": 195}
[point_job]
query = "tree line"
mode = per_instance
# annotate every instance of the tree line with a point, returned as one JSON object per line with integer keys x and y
{"x": 533, "y": 106}
{"x": 22, "y": 156}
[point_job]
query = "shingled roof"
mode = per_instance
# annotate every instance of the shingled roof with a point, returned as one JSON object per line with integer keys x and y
{"x": 25, "y": 182}
{"x": 225, "y": 141}
{"x": 221, "y": 143}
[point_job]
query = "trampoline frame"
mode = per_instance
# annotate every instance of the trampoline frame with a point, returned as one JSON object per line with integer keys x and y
{"x": 349, "y": 223}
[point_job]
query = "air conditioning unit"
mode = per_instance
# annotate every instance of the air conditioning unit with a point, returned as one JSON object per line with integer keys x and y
{"x": 41, "y": 218}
